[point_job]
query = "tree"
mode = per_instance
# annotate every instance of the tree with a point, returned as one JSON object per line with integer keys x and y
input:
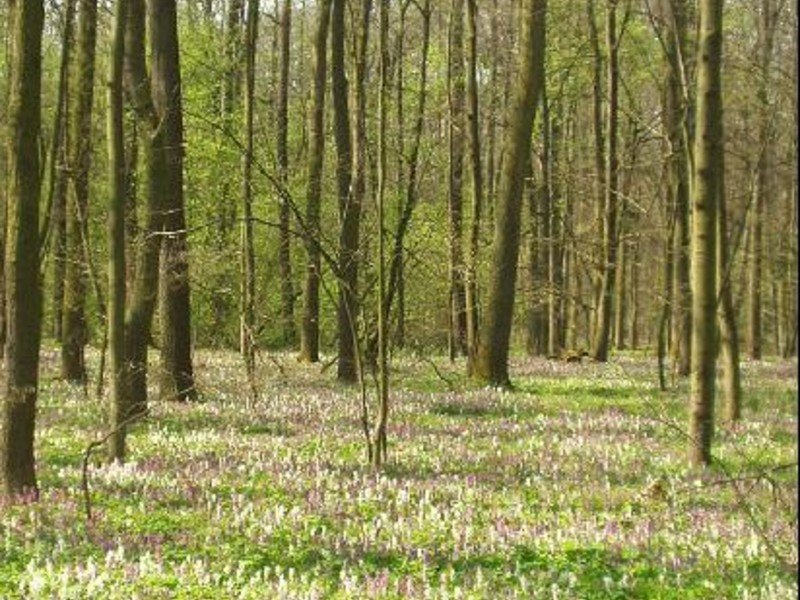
{"x": 248, "y": 324}
{"x": 74, "y": 328}
{"x": 455, "y": 200}
{"x": 708, "y": 175}
{"x": 309, "y": 338}
{"x": 282, "y": 153}
{"x": 349, "y": 212}
{"x": 473, "y": 117}
{"x": 23, "y": 292}
{"x": 602, "y": 328}
{"x": 492, "y": 358}
{"x": 379, "y": 443}
{"x": 766, "y": 39}
{"x": 676, "y": 118}
{"x": 120, "y": 402}
{"x": 55, "y": 216}
{"x": 177, "y": 378}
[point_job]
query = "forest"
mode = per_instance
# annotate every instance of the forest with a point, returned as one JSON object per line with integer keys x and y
{"x": 398, "y": 299}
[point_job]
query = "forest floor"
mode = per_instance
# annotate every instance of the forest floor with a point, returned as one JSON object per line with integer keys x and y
{"x": 572, "y": 486}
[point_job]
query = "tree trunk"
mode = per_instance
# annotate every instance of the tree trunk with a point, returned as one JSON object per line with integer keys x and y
{"x": 766, "y": 33}
{"x": 177, "y": 379}
{"x": 309, "y": 338}
{"x": 139, "y": 312}
{"x": 248, "y": 281}
{"x": 120, "y": 403}
{"x": 608, "y": 272}
{"x": 58, "y": 173}
{"x": 380, "y": 446}
{"x": 599, "y": 156}
{"x": 282, "y": 152}
{"x": 74, "y": 328}
{"x": 492, "y": 362}
{"x": 23, "y": 292}
{"x": 675, "y": 116}
{"x": 477, "y": 182}
{"x": 708, "y": 175}
{"x": 395, "y": 284}
{"x": 731, "y": 384}
{"x": 457, "y": 127}
{"x": 349, "y": 212}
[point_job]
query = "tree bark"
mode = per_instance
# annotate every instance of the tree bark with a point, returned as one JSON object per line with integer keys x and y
{"x": 58, "y": 172}
{"x": 457, "y": 127}
{"x": 309, "y": 338}
{"x": 708, "y": 175}
{"x": 492, "y": 362}
{"x": 74, "y": 328}
{"x": 675, "y": 116}
{"x": 177, "y": 379}
{"x": 23, "y": 291}
{"x": 120, "y": 403}
{"x": 766, "y": 37}
{"x": 473, "y": 117}
{"x": 143, "y": 296}
{"x": 349, "y": 212}
{"x": 282, "y": 152}
{"x": 600, "y": 345}
{"x": 248, "y": 275}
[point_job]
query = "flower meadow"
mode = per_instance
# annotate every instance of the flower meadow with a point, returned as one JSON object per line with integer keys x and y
{"x": 574, "y": 485}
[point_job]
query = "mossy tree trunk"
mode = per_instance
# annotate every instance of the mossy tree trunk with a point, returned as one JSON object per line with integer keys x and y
{"x": 455, "y": 199}
{"x": 309, "y": 338}
{"x": 492, "y": 359}
{"x": 349, "y": 212}
{"x": 602, "y": 330}
{"x": 74, "y": 327}
{"x": 22, "y": 285}
{"x": 476, "y": 168}
{"x": 282, "y": 154}
{"x": 177, "y": 378}
{"x": 119, "y": 406}
{"x": 144, "y": 292}
{"x": 675, "y": 118}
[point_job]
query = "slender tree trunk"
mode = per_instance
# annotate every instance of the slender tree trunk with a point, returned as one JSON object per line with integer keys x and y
{"x": 177, "y": 379}
{"x": 22, "y": 285}
{"x": 731, "y": 383}
{"x": 473, "y": 116}
{"x": 708, "y": 175}
{"x": 380, "y": 446}
{"x": 349, "y": 212}
{"x": 58, "y": 172}
{"x": 554, "y": 249}
{"x": 120, "y": 404}
{"x": 492, "y": 362}
{"x": 309, "y": 338}
{"x": 248, "y": 281}
{"x": 674, "y": 119}
{"x": 766, "y": 31}
{"x": 74, "y": 328}
{"x": 139, "y": 312}
{"x": 400, "y": 327}
{"x": 284, "y": 235}
{"x": 603, "y": 322}
{"x": 457, "y": 127}
{"x": 395, "y": 284}
{"x": 494, "y": 82}
{"x": 599, "y": 156}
